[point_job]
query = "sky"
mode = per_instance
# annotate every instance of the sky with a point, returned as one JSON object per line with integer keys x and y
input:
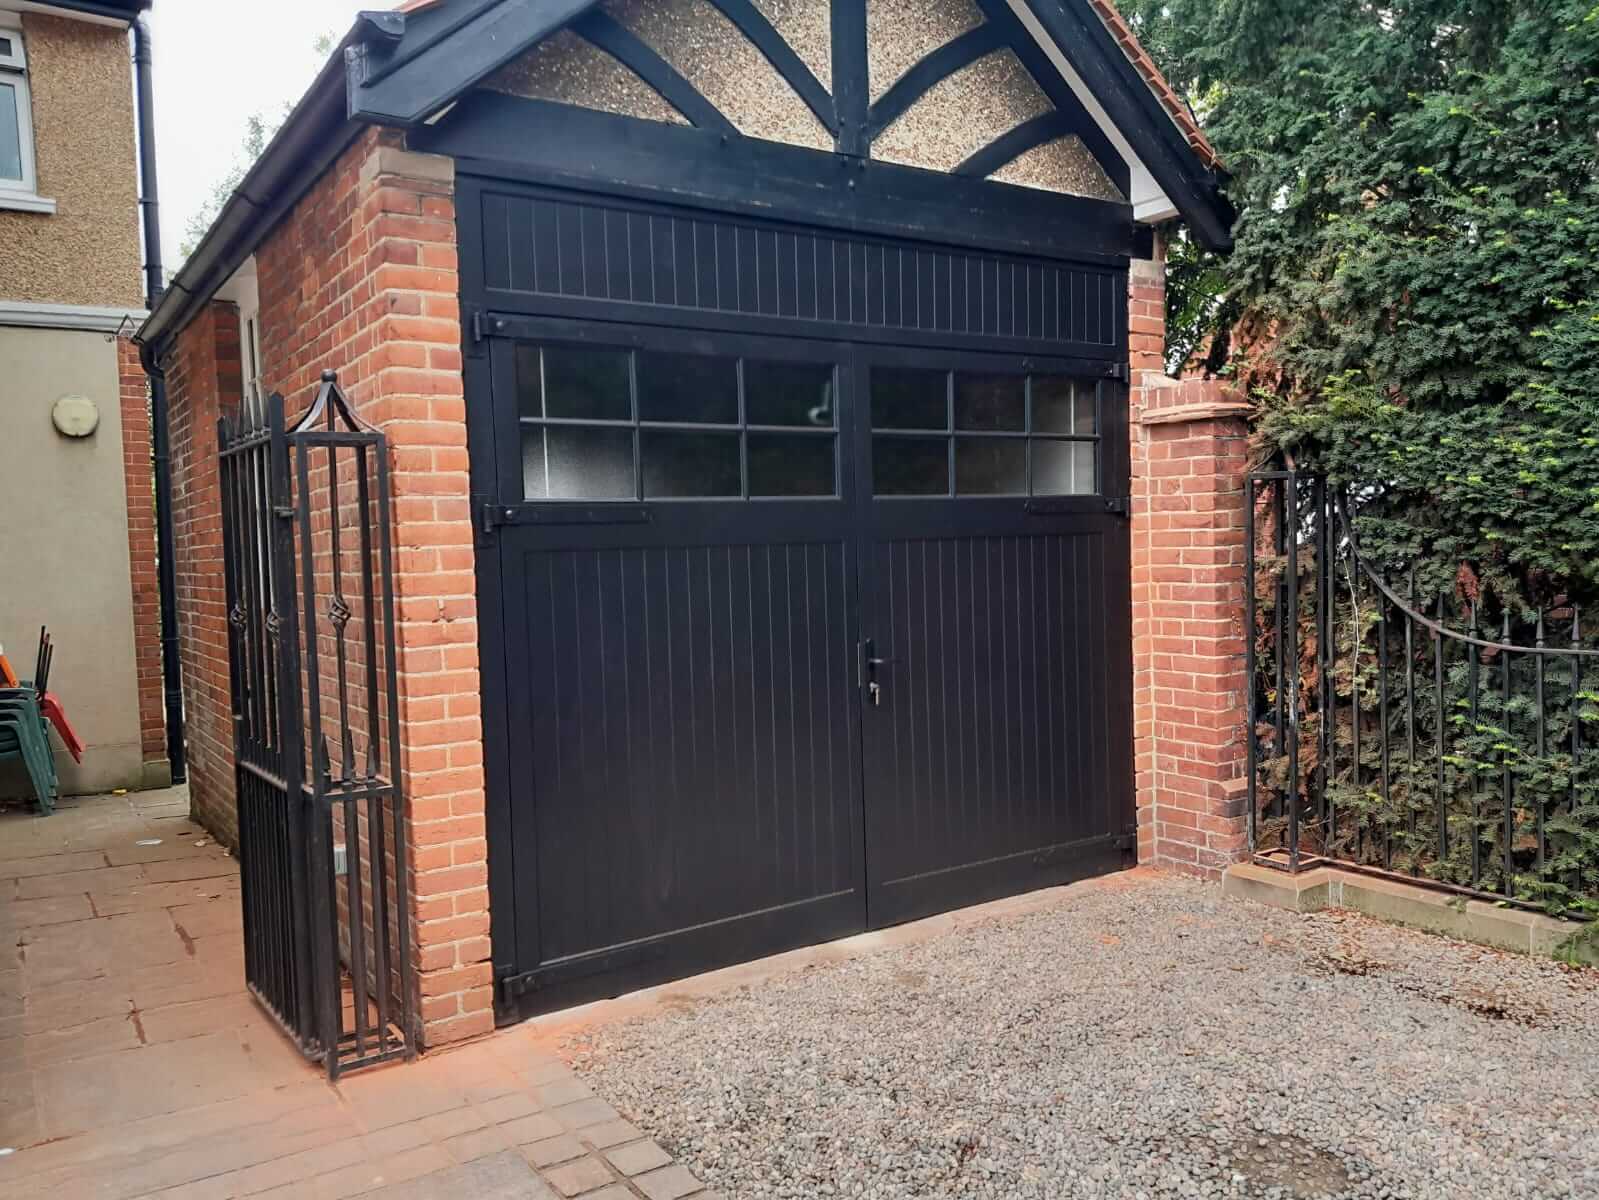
{"x": 216, "y": 63}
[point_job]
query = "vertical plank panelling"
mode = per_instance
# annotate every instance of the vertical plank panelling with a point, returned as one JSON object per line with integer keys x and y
{"x": 991, "y": 739}
{"x": 692, "y": 749}
{"x": 535, "y": 245}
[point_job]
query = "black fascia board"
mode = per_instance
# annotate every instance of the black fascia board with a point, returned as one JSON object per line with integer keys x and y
{"x": 404, "y": 82}
{"x": 1076, "y": 29}
{"x": 116, "y": 10}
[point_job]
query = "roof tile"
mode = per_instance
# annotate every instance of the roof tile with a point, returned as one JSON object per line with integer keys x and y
{"x": 1145, "y": 66}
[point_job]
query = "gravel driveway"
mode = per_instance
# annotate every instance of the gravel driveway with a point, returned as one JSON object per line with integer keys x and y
{"x": 1144, "y": 1039}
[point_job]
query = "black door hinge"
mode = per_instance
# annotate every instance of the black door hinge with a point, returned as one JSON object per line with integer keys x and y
{"x": 513, "y": 985}
{"x": 493, "y": 516}
{"x": 478, "y": 333}
{"x": 1121, "y": 371}
{"x": 1118, "y": 506}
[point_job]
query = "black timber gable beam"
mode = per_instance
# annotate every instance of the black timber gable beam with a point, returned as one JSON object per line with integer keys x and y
{"x": 1085, "y": 44}
{"x": 442, "y": 52}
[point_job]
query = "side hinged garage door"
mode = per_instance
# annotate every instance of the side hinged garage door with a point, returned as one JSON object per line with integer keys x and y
{"x": 810, "y": 565}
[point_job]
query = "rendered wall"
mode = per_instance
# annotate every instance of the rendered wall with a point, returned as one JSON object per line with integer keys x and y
{"x": 64, "y": 549}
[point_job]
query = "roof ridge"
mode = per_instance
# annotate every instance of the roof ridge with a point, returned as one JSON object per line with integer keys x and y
{"x": 1174, "y": 105}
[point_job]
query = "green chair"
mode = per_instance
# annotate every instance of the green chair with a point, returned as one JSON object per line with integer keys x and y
{"x": 25, "y": 735}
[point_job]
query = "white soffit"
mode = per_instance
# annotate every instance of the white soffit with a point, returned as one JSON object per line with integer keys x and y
{"x": 1150, "y": 204}
{"x": 66, "y": 14}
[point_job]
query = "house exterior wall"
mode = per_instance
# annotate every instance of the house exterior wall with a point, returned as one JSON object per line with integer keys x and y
{"x": 361, "y": 279}
{"x": 79, "y": 542}
{"x": 87, "y": 251}
{"x": 138, "y": 470}
{"x": 1188, "y": 471}
{"x": 65, "y": 546}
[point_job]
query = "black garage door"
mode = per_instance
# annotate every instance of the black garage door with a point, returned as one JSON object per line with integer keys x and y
{"x": 801, "y": 635}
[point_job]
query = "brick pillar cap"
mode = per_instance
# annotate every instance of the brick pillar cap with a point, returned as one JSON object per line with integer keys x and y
{"x": 1182, "y": 401}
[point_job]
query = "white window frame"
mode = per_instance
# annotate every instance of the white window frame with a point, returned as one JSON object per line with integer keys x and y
{"x": 24, "y": 193}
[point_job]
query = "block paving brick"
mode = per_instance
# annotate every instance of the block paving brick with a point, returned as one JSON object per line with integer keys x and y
{"x": 219, "y": 1105}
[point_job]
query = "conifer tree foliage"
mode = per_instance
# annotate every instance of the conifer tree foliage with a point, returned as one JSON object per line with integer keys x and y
{"x": 1413, "y": 294}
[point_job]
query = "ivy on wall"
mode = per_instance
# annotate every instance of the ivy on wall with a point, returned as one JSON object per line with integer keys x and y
{"x": 1413, "y": 294}
{"x": 1412, "y": 302}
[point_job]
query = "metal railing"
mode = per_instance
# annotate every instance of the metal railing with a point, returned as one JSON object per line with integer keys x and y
{"x": 1389, "y": 740}
{"x": 323, "y": 862}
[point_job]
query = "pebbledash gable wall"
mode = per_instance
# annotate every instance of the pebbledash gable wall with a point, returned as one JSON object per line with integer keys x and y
{"x": 361, "y": 278}
{"x": 1188, "y": 468}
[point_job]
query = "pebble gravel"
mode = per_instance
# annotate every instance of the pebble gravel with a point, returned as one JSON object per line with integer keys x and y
{"x": 1142, "y": 1038}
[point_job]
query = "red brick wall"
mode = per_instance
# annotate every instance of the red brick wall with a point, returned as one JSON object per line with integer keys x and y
{"x": 203, "y": 376}
{"x": 361, "y": 278}
{"x": 138, "y": 469}
{"x": 1188, "y": 459}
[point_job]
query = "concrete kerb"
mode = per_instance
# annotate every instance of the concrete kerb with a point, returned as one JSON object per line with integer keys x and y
{"x": 1415, "y": 906}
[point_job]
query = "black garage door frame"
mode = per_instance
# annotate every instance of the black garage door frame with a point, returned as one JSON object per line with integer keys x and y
{"x": 880, "y": 298}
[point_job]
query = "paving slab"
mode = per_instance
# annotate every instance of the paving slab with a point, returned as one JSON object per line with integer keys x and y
{"x": 134, "y": 1063}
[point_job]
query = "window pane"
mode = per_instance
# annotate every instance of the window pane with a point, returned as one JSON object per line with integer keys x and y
{"x": 788, "y": 465}
{"x": 690, "y": 464}
{"x": 578, "y": 463}
{"x": 6, "y": 47}
{"x": 529, "y": 385}
{"x": 687, "y": 387}
{"x": 910, "y": 466}
{"x": 1063, "y": 468}
{"x": 990, "y": 466}
{"x": 1064, "y": 405}
{"x": 789, "y": 394}
{"x": 586, "y": 383}
{"x": 909, "y": 399}
{"x": 990, "y": 402}
{"x": 10, "y": 134}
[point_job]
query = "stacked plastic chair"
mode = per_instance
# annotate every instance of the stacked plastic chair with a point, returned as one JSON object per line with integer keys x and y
{"x": 25, "y": 730}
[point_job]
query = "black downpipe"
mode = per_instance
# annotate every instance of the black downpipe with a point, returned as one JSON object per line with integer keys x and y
{"x": 160, "y": 442}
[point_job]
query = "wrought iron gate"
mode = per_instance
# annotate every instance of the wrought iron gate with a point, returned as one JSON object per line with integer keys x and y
{"x": 305, "y": 512}
{"x": 1404, "y": 731}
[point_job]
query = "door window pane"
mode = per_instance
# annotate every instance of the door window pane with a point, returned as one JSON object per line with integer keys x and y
{"x": 578, "y": 463}
{"x": 990, "y": 402}
{"x": 698, "y": 388}
{"x": 586, "y": 384}
{"x": 990, "y": 466}
{"x": 789, "y": 465}
{"x": 529, "y": 381}
{"x": 903, "y": 466}
{"x": 777, "y": 393}
{"x": 689, "y": 464}
{"x": 1064, "y": 468}
{"x": 907, "y": 398}
{"x": 1064, "y": 405}
{"x": 10, "y": 134}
